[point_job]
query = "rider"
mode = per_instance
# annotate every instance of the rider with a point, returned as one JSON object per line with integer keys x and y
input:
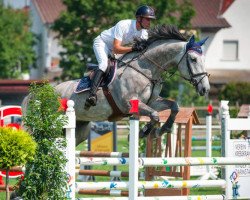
{"x": 116, "y": 40}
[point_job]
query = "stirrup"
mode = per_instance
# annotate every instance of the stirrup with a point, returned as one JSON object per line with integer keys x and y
{"x": 91, "y": 101}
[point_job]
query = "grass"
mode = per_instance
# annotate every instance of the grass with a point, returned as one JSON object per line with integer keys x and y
{"x": 12, "y": 182}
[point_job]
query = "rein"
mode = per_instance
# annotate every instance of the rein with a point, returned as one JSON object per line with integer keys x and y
{"x": 192, "y": 75}
{"x": 127, "y": 64}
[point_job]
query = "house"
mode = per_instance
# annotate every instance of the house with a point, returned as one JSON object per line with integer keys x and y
{"x": 226, "y": 24}
{"x": 43, "y": 13}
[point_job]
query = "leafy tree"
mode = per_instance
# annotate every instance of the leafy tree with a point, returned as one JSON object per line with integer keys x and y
{"x": 16, "y": 148}
{"x": 84, "y": 20}
{"x": 16, "y": 41}
{"x": 45, "y": 176}
{"x": 236, "y": 92}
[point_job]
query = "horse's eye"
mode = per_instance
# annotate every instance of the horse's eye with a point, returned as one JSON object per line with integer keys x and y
{"x": 193, "y": 60}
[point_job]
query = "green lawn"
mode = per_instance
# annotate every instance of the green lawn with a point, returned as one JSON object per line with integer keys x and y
{"x": 12, "y": 182}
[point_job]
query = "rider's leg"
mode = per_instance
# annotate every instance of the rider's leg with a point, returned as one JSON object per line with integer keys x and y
{"x": 101, "y": 52}
{"x": 92, "y": 99}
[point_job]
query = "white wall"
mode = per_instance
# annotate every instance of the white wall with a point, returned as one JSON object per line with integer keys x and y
{"x": 37, "y": 28}
{"x": 54, "y": 48}
{"x": 238, "y": 16}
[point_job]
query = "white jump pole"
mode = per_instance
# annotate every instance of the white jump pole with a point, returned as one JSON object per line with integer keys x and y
{"x": 70, "y": 149}
{"x": 248, "y": 116}
{"x": 209, "y": 132}
{"x": 133, "y": 151}
{"x": 209, "y": 173}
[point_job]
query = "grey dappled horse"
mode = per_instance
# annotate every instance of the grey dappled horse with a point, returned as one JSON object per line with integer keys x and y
{"x": 139, "y": 77}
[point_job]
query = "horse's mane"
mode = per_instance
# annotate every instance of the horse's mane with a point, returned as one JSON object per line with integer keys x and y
{"x": 165, "y": 32}
{"x": 162, "y": 32}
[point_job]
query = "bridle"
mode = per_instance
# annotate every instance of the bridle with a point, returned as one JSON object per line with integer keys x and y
{"x": 192, "y": 75}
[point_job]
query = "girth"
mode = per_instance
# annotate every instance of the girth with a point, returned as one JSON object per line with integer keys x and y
{"x": 117, "y": 114}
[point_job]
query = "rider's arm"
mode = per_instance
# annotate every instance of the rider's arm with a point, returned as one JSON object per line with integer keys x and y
{"x": 119, "y": 49}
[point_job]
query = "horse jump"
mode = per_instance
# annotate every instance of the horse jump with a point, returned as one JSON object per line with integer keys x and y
{"x": 134, "y": 184}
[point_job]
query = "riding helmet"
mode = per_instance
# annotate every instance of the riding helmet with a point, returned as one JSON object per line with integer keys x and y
{"x": 145, "y": 11}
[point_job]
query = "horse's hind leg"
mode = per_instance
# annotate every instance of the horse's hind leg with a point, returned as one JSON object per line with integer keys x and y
{"x": 163, "y": 104}
{"x": 154, "y": 118}
{"x": 82, "y": 131}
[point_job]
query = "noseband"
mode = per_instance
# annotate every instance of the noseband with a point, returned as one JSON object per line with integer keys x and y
{"x": 192, "y": 75}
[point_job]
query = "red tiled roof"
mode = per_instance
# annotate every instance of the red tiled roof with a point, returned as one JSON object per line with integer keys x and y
{"x": 49, "y": 10}
{"x": 16, "y": 86}
{"x": 244, "y": 111}
{"x": 207, "y": 14}
{"x": 225, "y": 5}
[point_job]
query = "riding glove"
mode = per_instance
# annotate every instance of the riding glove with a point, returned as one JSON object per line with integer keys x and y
{"x": 139, "y": 46}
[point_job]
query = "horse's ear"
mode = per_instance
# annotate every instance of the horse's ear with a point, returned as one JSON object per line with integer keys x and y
{"x": 202, "y": 41}
{"x": 190, "y": 42}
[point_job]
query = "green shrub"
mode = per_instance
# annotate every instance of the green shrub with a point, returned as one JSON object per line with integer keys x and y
{"x": 236, "y": 92}
{"x": 45, "y": 176}
{"x": 16, "y": 148}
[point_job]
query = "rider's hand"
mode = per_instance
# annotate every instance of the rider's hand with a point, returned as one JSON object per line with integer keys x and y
{"x": 139, "y": 46}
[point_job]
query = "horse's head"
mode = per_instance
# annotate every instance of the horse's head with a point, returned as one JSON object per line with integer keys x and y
{"x": 191, "y": 66}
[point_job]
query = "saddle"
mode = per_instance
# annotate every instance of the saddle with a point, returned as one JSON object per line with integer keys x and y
{"x": 85, "y": 83}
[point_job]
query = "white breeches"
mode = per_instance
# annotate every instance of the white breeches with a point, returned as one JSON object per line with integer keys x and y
{"x": 101, "y": 52}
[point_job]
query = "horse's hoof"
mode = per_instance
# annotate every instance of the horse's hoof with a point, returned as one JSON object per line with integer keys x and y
{"x": 146, "y": 130}
{"x": 87, "y": 107}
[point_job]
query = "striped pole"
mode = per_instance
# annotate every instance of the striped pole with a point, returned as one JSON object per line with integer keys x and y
{"x": 102, "y": 173}
{"x": 101, "y": 154}
{"x": 191, "y": 197}
{"x": 104, "y": 192}
{"x": 142, "y": 185}
{"x": 2, "y": 187}
{"x": 169, "y": 161}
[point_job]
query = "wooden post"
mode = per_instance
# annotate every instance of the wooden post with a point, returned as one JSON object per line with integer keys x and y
{"x": 186, "y": 117}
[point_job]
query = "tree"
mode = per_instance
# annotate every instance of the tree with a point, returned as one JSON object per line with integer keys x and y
{"x": 16, "y": 148}
{"x": 16, "y": 42}
{"x": 45, "y": 177}
{"x": 236, "y": 92}
{"x": 84, "y": 20}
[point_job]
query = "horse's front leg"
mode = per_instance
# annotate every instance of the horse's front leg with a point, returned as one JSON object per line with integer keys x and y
{"x": 145, "y": 110}
{"x": 162, "y": 104}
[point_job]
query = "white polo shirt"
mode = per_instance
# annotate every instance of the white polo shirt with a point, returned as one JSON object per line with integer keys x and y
{"x": 124, "y": 31}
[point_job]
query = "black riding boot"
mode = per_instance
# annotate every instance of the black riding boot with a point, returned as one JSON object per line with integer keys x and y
{"x": 92, "y": 99}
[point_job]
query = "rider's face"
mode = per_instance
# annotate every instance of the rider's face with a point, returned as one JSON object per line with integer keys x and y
{"x": 145, "y": 22}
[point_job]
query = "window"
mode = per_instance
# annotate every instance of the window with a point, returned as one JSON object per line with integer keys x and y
{"x": 230, "y": 50}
